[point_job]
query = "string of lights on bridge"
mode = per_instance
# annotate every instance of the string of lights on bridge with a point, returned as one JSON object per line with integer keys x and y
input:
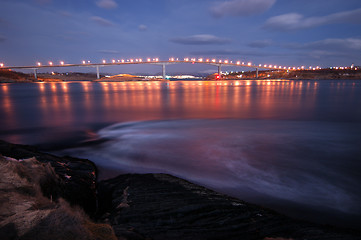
{"x": 213, "y": 61}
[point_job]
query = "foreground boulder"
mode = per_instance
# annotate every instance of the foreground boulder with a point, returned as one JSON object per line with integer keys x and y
{"x": 76, "y": 181}
{"x": 25, "y": 213}
{"x": 160, "y": 206}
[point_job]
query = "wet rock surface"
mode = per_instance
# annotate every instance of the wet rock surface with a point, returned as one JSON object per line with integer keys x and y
{"x": 77, "y": 177}
{"x": 160, "y": 206}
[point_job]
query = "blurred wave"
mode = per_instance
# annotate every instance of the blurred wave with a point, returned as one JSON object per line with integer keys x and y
{"x": 304, "y": 163}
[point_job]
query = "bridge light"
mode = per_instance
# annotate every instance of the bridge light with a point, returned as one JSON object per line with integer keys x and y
{"x": 249, "y": 64}
{"x": 265, "y": 65}
{"x": 157, "y": 59}
{"x": 38, "y": 63}
{"x": 104, "y": 61}
{"x": 61, "y": 62}
{"x": 88, "y": 61}
{"x": 270, "y": 66}
{"x": 200, "y": 60}
{"x": 1, "y": 65}
{"x": 279, "y": 66}
{"x": 285, "y": 68}
{"x": 214, "y": 60}
{"x": 260, "y": 65}
{"x": 123, "y": 60}
{"x": 302, "y": 67}
{"x": 113, "y": 61}
{"x": 140, "y": 60}
{"x": 83, "y": 62}
{"x": 207, "y": 60}
{"x": 186, "y": 59}
{"x": 131, "y": 60}
{"x": 225, "y": 61}
{"x": 238, "y": 63}
{"x": 51, "y": 63}
{"x": 220, "y": 61}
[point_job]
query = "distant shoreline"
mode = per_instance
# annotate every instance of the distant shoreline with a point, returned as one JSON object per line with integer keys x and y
{"x": 7, "y": 76}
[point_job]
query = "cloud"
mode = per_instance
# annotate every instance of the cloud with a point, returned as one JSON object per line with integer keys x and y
{"x": 101, "y": 21}
{"x": 215, "y": 53}
{"x": 295, "y": 21}
{"x": 108, "y": 51}
{"x": 142, "y": 27}
{"x": 2, "y": 38}
{"x": 260, "y": 44}
{"x": 107, "y": 4}
{"x": 241, "y": 7}
{"x": 335, "y": 44}
{"x": 43, "y": 1}
{"x": 243, "y": 53}
{"x": 201, "y": 39}
{"x": 65, "y": 14}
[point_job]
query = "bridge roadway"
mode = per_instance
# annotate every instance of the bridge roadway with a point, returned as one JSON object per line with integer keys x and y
{"x": 213, "y": 62}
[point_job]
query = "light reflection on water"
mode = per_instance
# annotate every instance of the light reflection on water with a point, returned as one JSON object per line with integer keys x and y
{"x": 295, "y": 143}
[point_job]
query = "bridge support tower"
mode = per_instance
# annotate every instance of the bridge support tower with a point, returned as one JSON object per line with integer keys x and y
{"x": 35, "y": 74}
{"x": 98, "y": 74}
{"x": 163, "y": 71}
{"x": 256, "y": 72}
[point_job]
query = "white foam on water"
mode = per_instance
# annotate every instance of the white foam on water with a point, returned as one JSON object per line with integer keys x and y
{"x": 288, "y": 160}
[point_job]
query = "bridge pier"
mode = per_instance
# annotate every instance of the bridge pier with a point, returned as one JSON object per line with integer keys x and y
{"x": 220, "y": 71}
{"x": 163, "y": 71}
{"x": 98, "y": 74}
{"x": 35, "y": 74}
{"x": 256, "y": 72}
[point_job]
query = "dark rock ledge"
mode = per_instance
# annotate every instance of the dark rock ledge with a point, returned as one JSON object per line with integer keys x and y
{"x": 137, "y": 206}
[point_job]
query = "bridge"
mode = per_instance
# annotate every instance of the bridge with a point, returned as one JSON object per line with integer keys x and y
{"x": 155, "y": 61}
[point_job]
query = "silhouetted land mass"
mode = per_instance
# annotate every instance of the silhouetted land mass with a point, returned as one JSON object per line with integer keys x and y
{"x": 48, "y": 197}
{"x": 7, "y": 76}
{"x": 318, "y": 74}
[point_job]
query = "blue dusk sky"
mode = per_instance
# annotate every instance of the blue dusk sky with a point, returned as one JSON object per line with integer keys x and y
{"x": 283, "y": 32}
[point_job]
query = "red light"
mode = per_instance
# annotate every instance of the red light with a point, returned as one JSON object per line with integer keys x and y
{"x": 218, "y": 77}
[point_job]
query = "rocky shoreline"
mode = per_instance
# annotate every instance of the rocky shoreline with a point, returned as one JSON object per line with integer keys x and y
{"x": 44, "y": 196}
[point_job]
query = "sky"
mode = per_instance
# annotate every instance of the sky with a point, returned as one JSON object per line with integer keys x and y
{"x": 278, "y": 32}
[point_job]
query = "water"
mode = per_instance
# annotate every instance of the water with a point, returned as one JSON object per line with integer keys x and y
{"x": 294, "y": 146}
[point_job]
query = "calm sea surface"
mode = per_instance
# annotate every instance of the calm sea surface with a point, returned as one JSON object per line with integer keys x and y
{"x": 294, "y": 146}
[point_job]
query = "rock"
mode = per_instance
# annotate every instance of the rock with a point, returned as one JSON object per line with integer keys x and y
{"x": 25, "y": 213}
{"x": 77, "y": 178}
{"x": 160, "y": 206}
